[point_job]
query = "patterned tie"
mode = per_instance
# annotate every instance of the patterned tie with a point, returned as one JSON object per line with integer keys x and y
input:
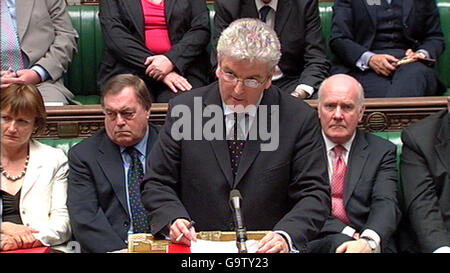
{"x": 11, "y": 55}
{"x": 236, "y": 145}
{"x": 337, "y": 185}
{"x": 135, "y": 175}
{"x": 263, "y": 13}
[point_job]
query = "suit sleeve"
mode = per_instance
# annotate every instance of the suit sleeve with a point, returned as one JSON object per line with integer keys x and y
{"x": 315, "y": 57}
{"x": 119, "y": 38}
{"x": 159, "y": 186}
{"x": 196, "y": 38}
{"x": 58, "y": 56}
{"x": 384, "y": 213}
{"x": 309, "y": 189}
{"x": 342, "y": 40}
{"x": 89, "y": 223}
{"x": 433, "y": 41}
{"x": 420, "y": 196}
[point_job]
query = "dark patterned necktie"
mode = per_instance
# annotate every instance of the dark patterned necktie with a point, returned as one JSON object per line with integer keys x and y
{"x": 236, "y": 146}
{"x": 263, "y": 13}
{"x": 135, "y": 175}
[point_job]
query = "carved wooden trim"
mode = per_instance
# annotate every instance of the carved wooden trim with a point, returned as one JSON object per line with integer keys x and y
{"x": 393, "y": 114}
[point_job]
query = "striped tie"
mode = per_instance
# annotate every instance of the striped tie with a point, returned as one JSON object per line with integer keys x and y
{"x": 11, "y": 55}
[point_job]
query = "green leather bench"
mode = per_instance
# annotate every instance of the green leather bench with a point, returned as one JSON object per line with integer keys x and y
{"x": 81, "y": 77}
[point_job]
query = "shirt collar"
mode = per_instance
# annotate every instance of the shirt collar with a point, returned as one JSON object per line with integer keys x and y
{"x": 330, "y": 144}
{"x": 273, "y": 4}
{"x": 141, "y": 146}
{"x": 251, "y": 111}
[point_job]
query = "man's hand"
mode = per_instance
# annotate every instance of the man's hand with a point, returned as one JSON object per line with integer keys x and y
{"x": 177, "y": 82}
{"x": 300, "y": 93}
{"x": 158, "y": 67}
{"x": 273, "y": 243}
{"x": 410, "y": 54}
{"x": 357, "y": 246}
{"x": 180, "y": 226}
{"x": 383, "y": 64}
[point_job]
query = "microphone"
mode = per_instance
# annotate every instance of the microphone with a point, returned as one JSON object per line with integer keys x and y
{"x": 241, "y": 232}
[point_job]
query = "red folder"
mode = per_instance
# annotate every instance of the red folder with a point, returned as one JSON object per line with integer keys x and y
{"x": 43, "y": 249}
{"x": 177, "y": 248}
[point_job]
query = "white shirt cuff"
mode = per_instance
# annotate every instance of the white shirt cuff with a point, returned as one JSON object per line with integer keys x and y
{"x": 308, "y": 89}
{"x": 443, "y": 249}
{"x": 363, "y": 61}
{"x": 372, "y": 235}
{"x": 41, "y": 72}
{"x": 349, "y": 231}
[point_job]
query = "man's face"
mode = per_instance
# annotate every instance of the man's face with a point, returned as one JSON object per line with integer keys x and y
{"x": 339, "y": 111}
{"x": 235, "y": 92}
{"x": 126, "y": 120}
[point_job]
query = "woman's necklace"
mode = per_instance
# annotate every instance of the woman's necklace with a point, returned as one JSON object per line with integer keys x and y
{"x": 17, "y": 177}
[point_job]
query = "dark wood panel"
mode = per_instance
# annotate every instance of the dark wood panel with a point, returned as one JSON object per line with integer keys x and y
{"x": 391, "y": 114}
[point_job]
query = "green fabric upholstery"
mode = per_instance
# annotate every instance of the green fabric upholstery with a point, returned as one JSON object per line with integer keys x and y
{"x": 63, "y": 144}
{"x": 82, "y": 75}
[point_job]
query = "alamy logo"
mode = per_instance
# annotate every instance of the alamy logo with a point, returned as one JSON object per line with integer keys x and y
{"x": 192, "y": 126}
{"x": 373, "y": 2}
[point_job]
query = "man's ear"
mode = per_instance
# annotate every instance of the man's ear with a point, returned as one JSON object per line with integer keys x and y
{"x": 361, "y": 113}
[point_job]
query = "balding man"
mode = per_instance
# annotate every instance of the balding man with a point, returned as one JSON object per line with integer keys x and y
{"x": 362, "y": 172}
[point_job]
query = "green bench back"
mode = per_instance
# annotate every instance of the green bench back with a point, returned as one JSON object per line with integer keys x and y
{"x": 81, "y": 78}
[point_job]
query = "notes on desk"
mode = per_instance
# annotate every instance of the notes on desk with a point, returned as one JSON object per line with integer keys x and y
{"x": 203, "y": 246}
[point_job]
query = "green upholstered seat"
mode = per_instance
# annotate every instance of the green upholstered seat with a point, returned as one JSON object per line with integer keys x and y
{"x": 63, "y": 144}
{"x": 82, "y": 75}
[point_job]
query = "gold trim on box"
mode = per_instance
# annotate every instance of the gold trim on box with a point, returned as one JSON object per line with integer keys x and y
{"x": 146, "y": 243}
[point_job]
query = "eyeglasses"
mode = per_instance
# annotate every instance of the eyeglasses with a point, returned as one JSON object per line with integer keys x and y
{"x": 231, "y": 78}
{"x": 126, "y": 114}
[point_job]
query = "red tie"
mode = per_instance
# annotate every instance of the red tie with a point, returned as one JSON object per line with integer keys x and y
{"x": 337, "y": 186}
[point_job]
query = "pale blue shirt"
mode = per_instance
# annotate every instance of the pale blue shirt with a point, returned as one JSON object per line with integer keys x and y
{"x": 141, "y": 147}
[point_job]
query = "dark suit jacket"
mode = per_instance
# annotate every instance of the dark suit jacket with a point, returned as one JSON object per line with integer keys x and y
{"x": 425, "y": 173}
{"x": 297, "y": 24}
{"x": 285, "y": 189}
{"x": 97, "y": 199}
{"x": 123, "y": 31}
{"x": 354, "y": 28}
{"x": 370, "y": 197}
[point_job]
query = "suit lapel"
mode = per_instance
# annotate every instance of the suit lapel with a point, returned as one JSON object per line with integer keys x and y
{"x": 443, "y": 146}
{"x": 110, "y": 161}
{"x": 252, "y": 148}
{"x": 407, "y": 6}
{"x": 371, "y": 9}
{"x": 284, "y": 9}
{"x": 168, "y": 7}
{"x": 249, "y": 9}
{"x": 134, "y": 9}
{"x": 23, "y": 15}
{"x": 220, "y": 147}
{"x": 33, "y": 169}
{"x": 356, "y": 161}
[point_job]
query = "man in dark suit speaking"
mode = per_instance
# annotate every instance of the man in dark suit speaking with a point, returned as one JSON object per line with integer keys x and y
{"x": 362, "y": 172}
{"x": 106, "y": 169}
{"x": 283, "y": 187}
{"x": 303, "y": 64}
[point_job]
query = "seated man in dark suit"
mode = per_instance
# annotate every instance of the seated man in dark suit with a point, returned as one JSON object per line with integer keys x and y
{"x": 425, "y": 177}
{"x": 282, "y": 178}
{"x": 106, "y": 169}
{"x": 303, "y": 64}
{"x": 363, "y": 175}
{"x": 369, "y": 37}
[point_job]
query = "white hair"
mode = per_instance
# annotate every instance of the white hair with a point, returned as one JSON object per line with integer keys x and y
{"x": 249, "y": 39}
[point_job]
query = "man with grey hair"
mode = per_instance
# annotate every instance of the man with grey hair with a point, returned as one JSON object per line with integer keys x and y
{"x": 363, "y": 175}
{"x": 303, "y": 64}
{"x": 284, "y": 190}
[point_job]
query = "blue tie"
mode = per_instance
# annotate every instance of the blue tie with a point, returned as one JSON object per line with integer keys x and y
{"x": 135, "y": 175}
